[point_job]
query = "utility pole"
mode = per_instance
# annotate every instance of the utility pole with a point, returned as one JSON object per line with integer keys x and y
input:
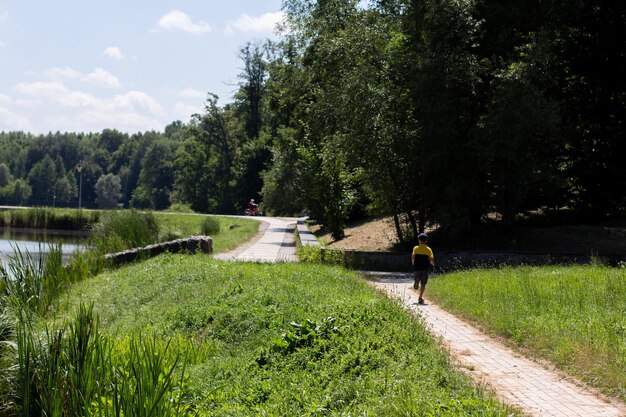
{"x": 79, "y": 168}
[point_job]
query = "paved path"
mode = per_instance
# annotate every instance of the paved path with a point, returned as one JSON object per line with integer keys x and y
{"x": 516, "y": 380}
{"x": 274, "y": 242}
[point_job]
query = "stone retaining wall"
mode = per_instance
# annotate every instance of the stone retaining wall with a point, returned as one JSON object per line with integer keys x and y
{"x": 189, "y": 245}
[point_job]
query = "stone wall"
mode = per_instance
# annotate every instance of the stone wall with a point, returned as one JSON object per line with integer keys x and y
{"x": 192, "y": 244}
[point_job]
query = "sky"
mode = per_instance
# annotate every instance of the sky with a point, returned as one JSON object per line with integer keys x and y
{"x": 130, "y": 65}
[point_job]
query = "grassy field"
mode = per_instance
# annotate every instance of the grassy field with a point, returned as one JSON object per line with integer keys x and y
{"x": 283, "y": 339}
{"x": 575, "y": 316}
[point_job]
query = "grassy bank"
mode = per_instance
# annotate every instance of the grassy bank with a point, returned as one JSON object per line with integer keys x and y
{"x": 48, "y": 218}
{"x": 280, "y": 339}
{"x": 575, "y": 316}
{"x": 233, "y": 231}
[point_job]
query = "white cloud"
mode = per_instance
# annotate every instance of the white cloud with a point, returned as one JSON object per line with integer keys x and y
{"x": 137, "y": 100}
{"x": 73, "y": 110}
{"x": 114, "y": 53}
{"x": 184, "y": 111}
{"x": 192, "y": 93}
{"x": 10, "y": 120}
{"x": 61, "y": 73}
{"x": 4, "y": 99}
{"x": 266, "y": 23}
{"x": 92, "y": 120}
{"x": 177, "y": 20}
{"x": 22, "y": 102}
{"x": 56, "y": 93}
{"x": 102, "y": 77}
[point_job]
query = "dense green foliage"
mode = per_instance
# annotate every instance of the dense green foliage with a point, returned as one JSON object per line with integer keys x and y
{"x": 434, "y": 112}
{"x": 573, "y": 316}
{"x": 282, "y": 339}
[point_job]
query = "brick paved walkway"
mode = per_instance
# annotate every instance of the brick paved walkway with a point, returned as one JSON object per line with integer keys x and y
{"x": 516, "y": 380}
{"x": 274, "y": 243}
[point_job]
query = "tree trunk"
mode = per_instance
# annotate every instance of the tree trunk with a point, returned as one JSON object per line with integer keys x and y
{"x": 413, "y": 223}
{"x": 396, "y": 222}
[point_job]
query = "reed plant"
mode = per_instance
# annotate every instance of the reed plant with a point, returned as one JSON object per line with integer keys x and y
{"x": 49, "y": 218}
{"x": 31, "y": 280}
{"x": 119, "y": 230}
{"x": 77, "y": 370}
{"x": 572, "y": 315}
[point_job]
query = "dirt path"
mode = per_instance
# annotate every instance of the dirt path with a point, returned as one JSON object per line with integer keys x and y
{"x": 518, "y": 381}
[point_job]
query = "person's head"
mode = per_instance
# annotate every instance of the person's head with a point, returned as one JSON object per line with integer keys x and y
{"x": 422, "y": 237}
{"x": 252, "y": 200}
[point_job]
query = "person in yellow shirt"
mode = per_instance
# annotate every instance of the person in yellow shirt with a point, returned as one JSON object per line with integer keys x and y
{"x": 421, "y": 259}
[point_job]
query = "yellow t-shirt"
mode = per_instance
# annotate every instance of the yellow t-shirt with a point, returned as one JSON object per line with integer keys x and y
{"x": 423, "y": 254}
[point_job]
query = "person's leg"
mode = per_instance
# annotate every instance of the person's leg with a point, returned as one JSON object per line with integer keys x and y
{"x": 423, "y": 279}
{"x": 422, "y": 288}
{"x": 416, "y": 284}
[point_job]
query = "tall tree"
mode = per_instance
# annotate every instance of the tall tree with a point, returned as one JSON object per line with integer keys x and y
{"x": 156, "y": 178}
{"x": 108, "y": 191}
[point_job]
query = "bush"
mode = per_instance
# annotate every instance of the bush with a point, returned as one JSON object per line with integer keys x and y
{"x": 181, "y": 208}
{"x": 210, "y": 226}
{"x": 121, "y": 230}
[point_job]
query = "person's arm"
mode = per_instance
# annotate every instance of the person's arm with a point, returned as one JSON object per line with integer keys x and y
{"x": 432, "y": 259}
{"x": 413, "y": 259}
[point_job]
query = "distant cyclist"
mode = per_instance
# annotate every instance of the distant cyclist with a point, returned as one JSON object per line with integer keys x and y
{"x": 422, "y": 259}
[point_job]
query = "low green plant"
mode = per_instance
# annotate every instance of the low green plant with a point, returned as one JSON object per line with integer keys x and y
{"x": 572, "y": 315}
{"x": 118, "y": 230}
{"x": 180, "y": 208}
{"x": 210, "y": 226}
{"x": 33, "y": 281}
{"x": 76, "y": 370}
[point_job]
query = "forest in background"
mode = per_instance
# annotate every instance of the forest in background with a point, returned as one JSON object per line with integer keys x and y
{"x": 450, "y": 112}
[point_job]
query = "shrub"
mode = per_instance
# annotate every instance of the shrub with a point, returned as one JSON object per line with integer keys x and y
{"x": 125, "y": 229}
{"x": 210, "y": 226}
{"x": 181, "y": 208}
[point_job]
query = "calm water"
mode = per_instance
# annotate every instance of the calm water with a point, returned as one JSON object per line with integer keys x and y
{"x": 36, "y": 243}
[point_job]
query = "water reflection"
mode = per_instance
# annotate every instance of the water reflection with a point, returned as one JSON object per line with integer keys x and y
{"x": 38, "y": 242}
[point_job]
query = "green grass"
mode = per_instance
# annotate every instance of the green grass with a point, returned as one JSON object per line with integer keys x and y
{"x": 233, "y": 231}
{"x": 281, "y": 339}
{"x": 575, "y": 316}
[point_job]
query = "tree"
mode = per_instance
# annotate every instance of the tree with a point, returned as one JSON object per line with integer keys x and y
{"x": 5, "y": 175}
{"x": 108, "y": 191}
{"x": 156, "y": 178}
{"x": 252, "y": 87}
{"x": 42, "y": 179}
{"x": 17, "y": 192}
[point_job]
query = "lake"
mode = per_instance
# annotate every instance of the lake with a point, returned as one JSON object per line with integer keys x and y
{"x": 37, "y": 242}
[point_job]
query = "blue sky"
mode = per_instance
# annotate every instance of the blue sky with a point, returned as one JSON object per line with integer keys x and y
{"x": 132, "y": 65}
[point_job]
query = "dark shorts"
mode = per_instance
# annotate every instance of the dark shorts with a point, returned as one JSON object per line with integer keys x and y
{"x": 421, "y": 277}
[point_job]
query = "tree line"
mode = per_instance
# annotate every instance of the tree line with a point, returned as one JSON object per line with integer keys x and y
{"x": 435, "y": 112}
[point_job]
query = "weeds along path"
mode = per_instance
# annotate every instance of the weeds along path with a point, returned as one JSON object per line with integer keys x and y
{"x": 274, "y": 242}
{"x": 518, "y": 381}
